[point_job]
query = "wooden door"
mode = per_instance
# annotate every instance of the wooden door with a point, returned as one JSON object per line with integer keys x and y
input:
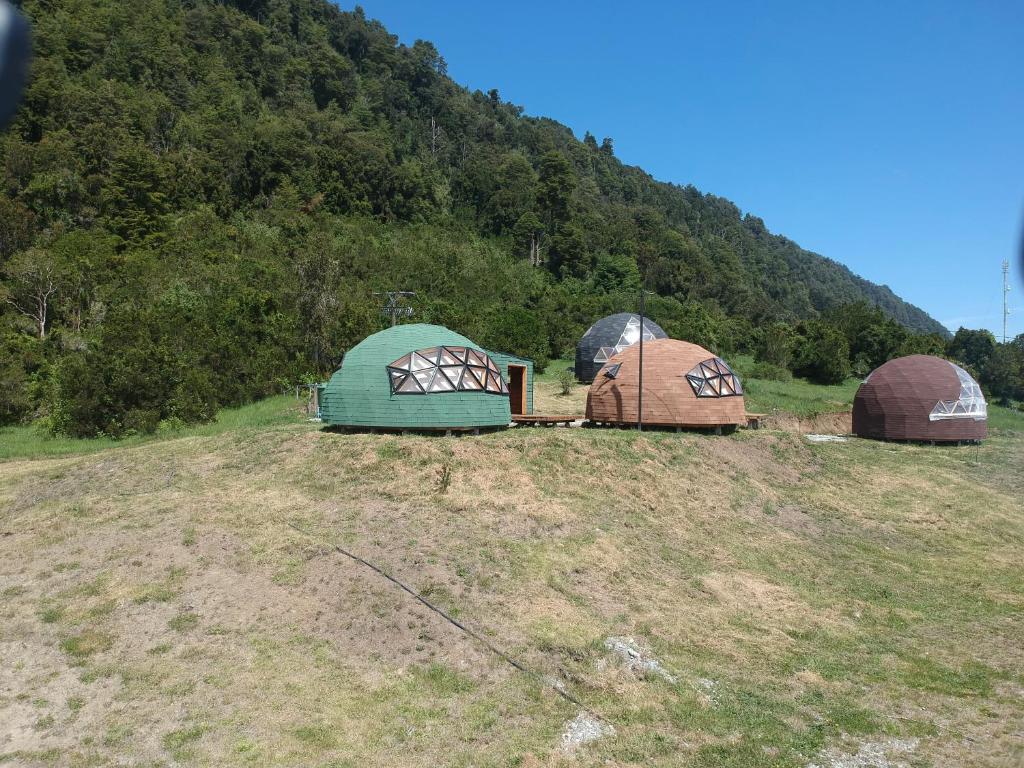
{"x": 517, "y": 389}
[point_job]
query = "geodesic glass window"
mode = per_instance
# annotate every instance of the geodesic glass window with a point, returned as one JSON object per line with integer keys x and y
{"x": 713, "y": 378}
{"x": 612, "y": 371}
{"x": 970, "y": 405}
{"x": 445, "y": 369}
{"x": 630, "y": 335}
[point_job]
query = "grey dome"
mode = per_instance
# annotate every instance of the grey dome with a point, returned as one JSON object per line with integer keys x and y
{"x": 609, "y": 336}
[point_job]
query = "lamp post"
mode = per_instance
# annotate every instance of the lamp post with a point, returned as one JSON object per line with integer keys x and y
{"x": 640, "y": 394}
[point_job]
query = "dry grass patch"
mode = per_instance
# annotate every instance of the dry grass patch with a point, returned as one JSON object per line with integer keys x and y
{"x": 801, "y": 596}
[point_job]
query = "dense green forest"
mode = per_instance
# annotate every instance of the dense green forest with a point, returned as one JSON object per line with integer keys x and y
{"x": 199, "y": 202}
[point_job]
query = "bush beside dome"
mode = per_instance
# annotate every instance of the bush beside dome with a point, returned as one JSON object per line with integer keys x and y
{"x": 920, "y": 398}
{"x": 416, "y": 376}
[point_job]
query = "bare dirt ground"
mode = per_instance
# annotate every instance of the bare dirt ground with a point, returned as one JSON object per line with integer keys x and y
{"x": 158, "y": 607}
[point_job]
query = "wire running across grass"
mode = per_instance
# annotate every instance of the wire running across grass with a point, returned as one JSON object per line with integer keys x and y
{"x": 555, "y": 685}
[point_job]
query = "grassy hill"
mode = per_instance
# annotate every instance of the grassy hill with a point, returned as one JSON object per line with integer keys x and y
{"x": 808, "y": 604}
{"x": 250, "y": 176}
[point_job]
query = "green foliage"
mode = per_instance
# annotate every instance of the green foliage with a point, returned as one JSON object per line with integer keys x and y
{"x": 822, "y": 353}
{"x": 566, "y": 381}
{"x": 972, "y": 348}
{"x": 768, "y": 372}
{"x": 774, "y": 345}
{"x": 199, "y": 201}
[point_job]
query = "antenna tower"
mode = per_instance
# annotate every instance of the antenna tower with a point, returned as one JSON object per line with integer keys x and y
{"x": 394, "y": 307}
{"x": 1006, "y": 295}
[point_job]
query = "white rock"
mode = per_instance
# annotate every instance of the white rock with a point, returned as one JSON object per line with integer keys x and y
{"x": 584, "y": 729}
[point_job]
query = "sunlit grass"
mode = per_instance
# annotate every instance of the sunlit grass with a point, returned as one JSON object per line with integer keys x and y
{"x": 34, "y": 442}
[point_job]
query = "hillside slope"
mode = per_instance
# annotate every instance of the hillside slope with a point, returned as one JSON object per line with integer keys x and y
{"x": 804, "y": 602}
{"x": 141, "y": 110}
{"x": 248, "y": 175}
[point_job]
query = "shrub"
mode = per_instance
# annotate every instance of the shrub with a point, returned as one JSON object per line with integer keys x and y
{"x": 822, "y": 354}
{"x": 566, "y": 381}
{"x": 768, "y": 371}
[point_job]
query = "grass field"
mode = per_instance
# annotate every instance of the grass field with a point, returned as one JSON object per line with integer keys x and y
{"x": 846, "y": 605}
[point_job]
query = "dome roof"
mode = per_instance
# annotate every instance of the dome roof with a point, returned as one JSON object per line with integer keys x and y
{"x": 416, "y": 376}
{"x": 920, "y": 397}
{"x": 609, "y": 336}
{"x": 685, "y": 385}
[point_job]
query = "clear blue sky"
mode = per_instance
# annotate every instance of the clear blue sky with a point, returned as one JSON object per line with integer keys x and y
{"x": 887, "y": 136}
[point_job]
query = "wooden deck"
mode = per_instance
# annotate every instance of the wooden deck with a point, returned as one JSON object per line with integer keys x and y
{"x": 659, "y": 426}
{"x": 543, "y": 420}
{"x": 754, "y": 420}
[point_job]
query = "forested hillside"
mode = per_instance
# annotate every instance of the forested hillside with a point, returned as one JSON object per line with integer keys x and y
{"x": 199, "y": 200}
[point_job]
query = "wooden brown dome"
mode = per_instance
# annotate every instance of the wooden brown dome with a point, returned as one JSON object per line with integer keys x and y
{"x": 684, "y": 386}
{"x": 920, "y": 397}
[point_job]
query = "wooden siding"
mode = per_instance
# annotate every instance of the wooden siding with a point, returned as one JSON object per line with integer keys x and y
{"x": 895, "y": 401}
{"x": 669, "y": 399}
{"x": 502, "y": 360}
{"x": 359, "y": 392}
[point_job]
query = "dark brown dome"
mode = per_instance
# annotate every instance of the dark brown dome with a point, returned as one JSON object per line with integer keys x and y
{"x": 920, "y": 397}
{"x": 684, "y": 386}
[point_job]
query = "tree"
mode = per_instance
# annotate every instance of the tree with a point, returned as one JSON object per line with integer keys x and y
{"x": 973, "y": 348}
{"x": 527, "y": 236}
{"x": 519, "y": 331}
{"x": 568, "y": 254}
{"x": 33, "y": 281}
{"x": 557, "y": 184}
{"x": 1003, "y": 374}
{"x": 775, "y": 344}
{"x": 15, "y": 227}
{"x": 822, "y": 353}
{"x": 514, "y": 195}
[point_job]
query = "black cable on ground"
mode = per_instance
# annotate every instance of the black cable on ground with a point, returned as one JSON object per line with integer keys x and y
{"x": 557, "y": 688}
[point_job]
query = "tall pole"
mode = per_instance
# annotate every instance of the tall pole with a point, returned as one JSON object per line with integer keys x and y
{"x": 1006, "y": 294}
{"x": 640, "y": 395}
{"x": 393, "y": 308}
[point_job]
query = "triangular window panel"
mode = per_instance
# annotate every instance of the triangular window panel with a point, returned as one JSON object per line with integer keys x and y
{"x": 612, "y": 371}
{"x": 441, "y": 383}
{"x": 453, "y": 372}
{"x": 970, "y": 405}
{"x": 602, "y": 355}
{"x": 410, "y": 387}
{"x": 445, "y": 369}
{"x": 419, "y": 362}
{"x": 714, "y": 378}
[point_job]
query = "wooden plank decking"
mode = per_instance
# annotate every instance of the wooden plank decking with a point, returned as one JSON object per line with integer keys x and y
{"x": 543, "y": 420}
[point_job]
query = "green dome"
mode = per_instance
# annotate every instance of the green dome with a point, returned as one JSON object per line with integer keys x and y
{"x": 381, "y": 383}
